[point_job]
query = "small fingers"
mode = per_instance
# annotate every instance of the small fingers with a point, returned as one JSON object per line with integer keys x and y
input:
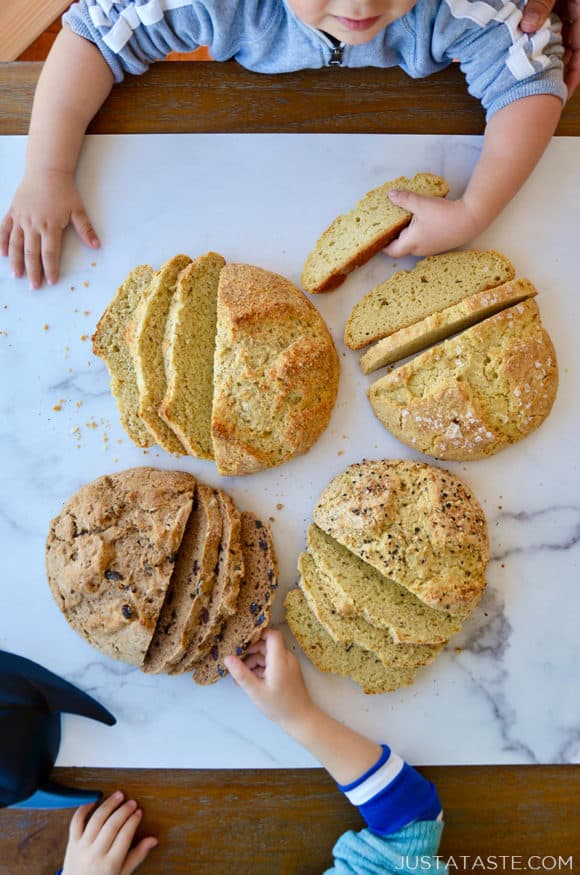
{"x": 535, "y": 14}
{"x": 101, "y": 814}
{"x": 50, "y": 250}
{"x": 5, "y": 229}
{"x": 82, "y": 225}
{"x": 79, "y": 819}
{"x": 125, "y": 835}
{"x": 16, "y": 251}
{"x": 138, "y": 854}
{"x": 32, "y": 258}
{"x": 255, "y": 660}
{"x": 400, "y": 246}
{"x": 114, "y": 824}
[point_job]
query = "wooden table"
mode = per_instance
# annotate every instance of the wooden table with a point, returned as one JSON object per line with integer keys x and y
{"x": 273, "y": 822}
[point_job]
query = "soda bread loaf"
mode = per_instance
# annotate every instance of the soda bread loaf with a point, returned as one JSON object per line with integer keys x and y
{"x": 145, "y": 337}
{"x": 191, "y": 584}
{"x": 435, "y": 283}
{"x": 229, "y": 572}
{"x": 476, "y": 393}
{"x": 275, "y": 371}
{"x": 110, "y": 345}
{"x": 252, "y": 615}
{"x": 439, "y": 326}
{"x": 111, "y": 553}
{"x": 352, "y": 239}
{"x": 350, "y": 661}
{"x": 188, "y": 350}
{"x": 418, "y": 525}
{"x": 357, "y": 630}
{"x": 356, "y": 589}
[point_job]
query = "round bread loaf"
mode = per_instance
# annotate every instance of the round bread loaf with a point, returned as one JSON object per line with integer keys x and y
{"x": 476, "y": 393}
{"x": 110, "y": 555}
{"x": 418, "y": 525}
{"x": 276, "y": 371}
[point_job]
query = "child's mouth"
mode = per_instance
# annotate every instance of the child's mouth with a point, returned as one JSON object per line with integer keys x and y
{"x": 357, "y": 23}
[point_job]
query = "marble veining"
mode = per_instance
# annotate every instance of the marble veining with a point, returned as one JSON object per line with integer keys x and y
{"x": 505, "y": 690}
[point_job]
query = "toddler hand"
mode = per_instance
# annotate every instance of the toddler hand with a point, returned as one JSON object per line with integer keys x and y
{"x": 272, "y": 678}
{"x": 101, "y": 845}
{"x": 438, "y": 225}
{"x": 30, "y": 233}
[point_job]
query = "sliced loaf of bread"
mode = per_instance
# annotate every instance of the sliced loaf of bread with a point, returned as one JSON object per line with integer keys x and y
{"x": 252, "y": 615}
{"x": 188, "y": 352}
{"x": 357, "y": 630}
{"x": 438, "y": 326}
{"x": 224, "y": 596}
{"x": 110, "y": 345}
{"x": 476, "y": 393}
{"x": 203, "y": 573}
{"x": 145, "y": 337}
{"x": 348, "y": 660}
{"x": 356, "y": 589}
{"x": 416, "y": 524}
{"x": 435, "y": 283}
{"x": 352, "y": 239}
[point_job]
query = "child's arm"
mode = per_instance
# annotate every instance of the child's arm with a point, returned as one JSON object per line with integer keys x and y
{"x": 515, "y": 139}
{"x": 100, "y": 839}
{"x": 390, "y": 794}
{"x": 74, "y": 83}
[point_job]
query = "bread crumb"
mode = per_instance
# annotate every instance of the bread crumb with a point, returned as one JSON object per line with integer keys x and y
{"x": 272, "y": 519}
{"x": 57, "y": 407}
{"x": 45, "y": 326}
{"x": 119, "y": 440}
{"x": 78, "y": 404}
{"x": 279, "y": 507}
{"x": 86, "y": 312}
{"x": 4, "y": 333}
{"x": 75, "y": 430}
{"x": 85, "y": 284}
{"x": 84, "y": 336}
{"x": 458, "y": 649}
{"x": 93, "y": 263}
{"x": 91, "y": 424}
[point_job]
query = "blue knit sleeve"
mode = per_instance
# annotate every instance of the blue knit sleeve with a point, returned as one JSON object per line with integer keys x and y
{"x": 501, "y": 63}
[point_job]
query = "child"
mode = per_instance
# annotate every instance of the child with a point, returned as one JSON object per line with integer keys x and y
{"x": 517, "y": 76}
{"x": 401, "y": 808}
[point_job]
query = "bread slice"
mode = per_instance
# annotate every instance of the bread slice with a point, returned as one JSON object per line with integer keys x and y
{"x": 224, "y": 595}
{"x": 438, "y": 326}
{"x": 145, "y": 337}
{"x": 110, "y": 345}
{"x": 111, "y": 553}
{"x": 356, "y": 589}
{"x": 476, "y": 393}
{"x": 351, "y": 661}
{"x": 254, "y": 602}
{"x": 435, "y": 283}
{"x": 202, "y": 560}
{"x": 357, "y": 630}
{"x": 188, "y": 352}
{"x": 352, "y": 239}
{"x": 416, "y": 524}
{"x": 276, "y": 371}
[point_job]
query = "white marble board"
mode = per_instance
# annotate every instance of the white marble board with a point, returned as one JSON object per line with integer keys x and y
{"x": 506, "y": 689}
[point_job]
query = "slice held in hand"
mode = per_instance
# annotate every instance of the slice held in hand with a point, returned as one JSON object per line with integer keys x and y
{"x": 352, "y": 239}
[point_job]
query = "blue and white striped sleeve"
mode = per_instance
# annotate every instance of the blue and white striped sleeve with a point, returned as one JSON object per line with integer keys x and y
{"x": 501, "y": 63}
{"x": 393, "y": 794}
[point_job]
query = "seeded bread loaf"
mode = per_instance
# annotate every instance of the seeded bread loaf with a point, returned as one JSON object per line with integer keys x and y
{"x": 356, "y": 589}
{"x": 188, "y": 351}
{"x": 357, "y": 630}
{"x": 110, "y": 345}
{"x": 229, "y": 573}
{"x": 252, "y": 615}
{"x": 418, "y": 525}
{"x": 276, "y": 371}
{"x": 443, "y": 324}
{"x": 435, "y": 283}
{"x": 110, "y": 555}
{"x": 145, "y": 338}
{"x": 350, "y": 661}
{"x": 352, "y": 239}
{"x": 476, "y": 393}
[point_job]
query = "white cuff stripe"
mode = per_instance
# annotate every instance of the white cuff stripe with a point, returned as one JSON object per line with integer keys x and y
{"x": 130, "y": 18}
{"x": 376, "y": 782}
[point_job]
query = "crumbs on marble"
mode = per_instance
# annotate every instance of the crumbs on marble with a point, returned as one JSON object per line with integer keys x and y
{"x": 93, "y": 263}
{"x": 45, "y": 327}
{"x": 84, "y": 337}
{"x": 279, "y": 506}
{"x": 272, "y": 519}
{"x": 78, "y": 404}
{"x": 340, "y": 453}
{"x": 86, "y": 284}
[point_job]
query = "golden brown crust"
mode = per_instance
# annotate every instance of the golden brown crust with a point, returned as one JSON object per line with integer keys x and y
{"x": 276, "y": 371}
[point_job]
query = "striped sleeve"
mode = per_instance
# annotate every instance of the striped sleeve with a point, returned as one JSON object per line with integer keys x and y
{"x": 392, "y": 794}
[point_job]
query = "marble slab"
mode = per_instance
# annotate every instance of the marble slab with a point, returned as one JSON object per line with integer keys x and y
{"x": 506, "y": 689}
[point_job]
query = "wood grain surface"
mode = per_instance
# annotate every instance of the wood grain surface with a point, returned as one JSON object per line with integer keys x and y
{"x": 286, "y": 821}
{"x": 21, "y": 21}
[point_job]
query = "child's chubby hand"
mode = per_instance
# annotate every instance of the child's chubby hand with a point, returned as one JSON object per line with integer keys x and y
{"x": 100, "y": 842}
{"x": 272, "y": 678}
{"x": 31, "y": 231}
{"x": 438, "y": 225}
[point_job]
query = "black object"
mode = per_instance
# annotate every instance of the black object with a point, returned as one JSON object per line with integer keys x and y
{"x": 31, "y": 700}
